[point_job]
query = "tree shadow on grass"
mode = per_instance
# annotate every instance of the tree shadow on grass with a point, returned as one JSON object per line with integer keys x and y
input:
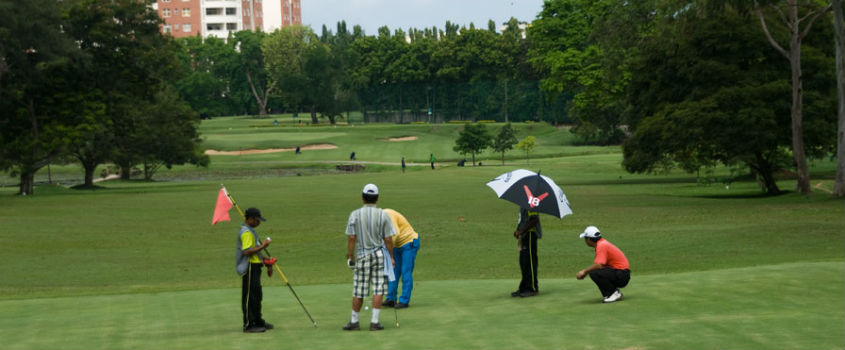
{"x": 623, "y": 181}
{"x": 140, "y": 185}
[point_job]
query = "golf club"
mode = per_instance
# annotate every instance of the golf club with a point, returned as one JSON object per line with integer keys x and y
{"x": 396, "y": 316}
{"x": 282, "y": 274}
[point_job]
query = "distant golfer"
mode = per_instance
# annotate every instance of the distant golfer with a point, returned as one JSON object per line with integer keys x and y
{"x": 403, "y": 164}
{"x": 370, "y": 239}
{"x": 432, "y": 160}
{"x": 406, "y": 244}
{"x": 528, "y": 230}
{"x": 248, "y": 265}
{"x": 610, "y": 270}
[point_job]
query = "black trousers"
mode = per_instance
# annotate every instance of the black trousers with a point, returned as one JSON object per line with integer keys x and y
{"x": 528, "y": 262}
{"x": 609, "y": 280}
{"x": 251, "y": 296}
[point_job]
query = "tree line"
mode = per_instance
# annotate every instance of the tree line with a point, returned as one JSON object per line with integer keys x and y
{"x": 689, "y": 84}
{"x": 419, "y": 75}
{"x": 692, "y": 84}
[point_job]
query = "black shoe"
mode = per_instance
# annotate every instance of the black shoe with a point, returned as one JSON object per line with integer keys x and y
{"x": 527, "y": 294}
{"x": 401, "y": 305}
{"x": 351, "y": 326}
{"x": 376, "y": 326}
{"x": 388, "y": 303}
{"x": 255, "y": 329}
{"x": 268, "y": 325}
{"x": 516, "y": 294}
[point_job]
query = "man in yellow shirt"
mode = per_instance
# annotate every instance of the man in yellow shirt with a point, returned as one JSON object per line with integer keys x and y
{"x": 406, "y": 243}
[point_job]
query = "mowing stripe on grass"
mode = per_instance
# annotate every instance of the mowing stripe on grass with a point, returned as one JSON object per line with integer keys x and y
{"x": 786, "y": 306}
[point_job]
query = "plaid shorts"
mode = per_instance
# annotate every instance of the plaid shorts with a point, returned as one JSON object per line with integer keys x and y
{"x": 369, "y": 268}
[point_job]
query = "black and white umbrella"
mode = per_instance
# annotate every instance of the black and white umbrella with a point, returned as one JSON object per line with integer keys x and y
{"x": 531, "y": 191}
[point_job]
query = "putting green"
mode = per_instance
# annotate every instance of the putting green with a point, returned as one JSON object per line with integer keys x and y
{"x": 765, "y": 307}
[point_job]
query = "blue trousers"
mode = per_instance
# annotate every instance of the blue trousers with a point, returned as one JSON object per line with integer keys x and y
{"x": 404, "y": 257}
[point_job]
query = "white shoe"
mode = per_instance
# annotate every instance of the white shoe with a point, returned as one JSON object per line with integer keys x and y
{"x": 613, "y": 297}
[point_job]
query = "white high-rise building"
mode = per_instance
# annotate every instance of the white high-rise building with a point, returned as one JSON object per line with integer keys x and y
{"x": 219, "y": 17}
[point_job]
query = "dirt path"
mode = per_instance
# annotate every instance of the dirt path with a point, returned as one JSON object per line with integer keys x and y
{"x": 107, "y": 178}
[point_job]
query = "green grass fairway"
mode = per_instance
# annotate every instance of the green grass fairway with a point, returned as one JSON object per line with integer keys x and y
{"x": 137, "y": 265}
{"x": 370, "y": 141}
{"x": 765, "y": 307}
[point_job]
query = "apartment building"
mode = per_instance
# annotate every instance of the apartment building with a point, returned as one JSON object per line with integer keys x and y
{"x": 219, "y": 17}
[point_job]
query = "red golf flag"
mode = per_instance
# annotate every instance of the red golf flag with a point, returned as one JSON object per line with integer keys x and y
{"x": 221, "y": 210}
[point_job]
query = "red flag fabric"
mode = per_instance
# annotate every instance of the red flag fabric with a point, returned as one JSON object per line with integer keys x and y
{"x": 221, "y": 210}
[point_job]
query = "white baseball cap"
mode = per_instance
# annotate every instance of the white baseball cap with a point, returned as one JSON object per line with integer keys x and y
{"x": 371, "y": 189}
{"x": 591, "y": 232}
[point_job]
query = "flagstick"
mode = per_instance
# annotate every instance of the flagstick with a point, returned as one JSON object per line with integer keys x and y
{"x": 233, "y": 202}
{"x": 278, "y": 269}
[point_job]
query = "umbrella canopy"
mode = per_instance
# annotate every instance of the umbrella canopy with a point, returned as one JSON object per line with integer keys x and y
{"x": 531, "y": 191}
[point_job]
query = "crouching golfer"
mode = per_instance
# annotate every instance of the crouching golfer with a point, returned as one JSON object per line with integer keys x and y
{"x": 248, "y": 265}
{"x": 609, "y": 270}
{"x": 406, "y": 243}
{"x": 369, "y": 232}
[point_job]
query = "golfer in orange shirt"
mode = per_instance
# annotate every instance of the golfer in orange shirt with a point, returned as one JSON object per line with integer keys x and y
{"x": 610, "y": 270}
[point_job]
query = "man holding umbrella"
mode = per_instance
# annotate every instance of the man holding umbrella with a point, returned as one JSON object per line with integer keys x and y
{"x": 527, "y": 232}
{"x": 535, "y": 194}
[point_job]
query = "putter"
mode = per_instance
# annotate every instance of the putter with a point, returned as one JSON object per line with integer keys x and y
{"x": 282, "y": 275}
{"x": 396, "y": 316}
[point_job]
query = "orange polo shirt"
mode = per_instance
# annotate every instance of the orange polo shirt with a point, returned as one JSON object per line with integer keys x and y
{"x": 607, "y": 254}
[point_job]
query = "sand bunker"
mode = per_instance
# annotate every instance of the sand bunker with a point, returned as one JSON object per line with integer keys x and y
{"x": 269, "y": 150}
{"x": 400, "y": 139}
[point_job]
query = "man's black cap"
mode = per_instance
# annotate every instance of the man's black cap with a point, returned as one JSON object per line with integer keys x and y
{"x": 254, "y": 213}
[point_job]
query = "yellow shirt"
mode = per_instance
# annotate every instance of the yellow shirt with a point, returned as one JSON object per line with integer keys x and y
{"x": 404, "y": 233}
{"x": 247, "y": 242}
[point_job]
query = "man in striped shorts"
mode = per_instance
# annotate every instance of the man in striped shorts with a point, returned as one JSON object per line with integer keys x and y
{"x": 369, "y": 233}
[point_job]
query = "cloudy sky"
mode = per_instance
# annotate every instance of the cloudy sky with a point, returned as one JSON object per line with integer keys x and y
{"x": 372, "y": 14}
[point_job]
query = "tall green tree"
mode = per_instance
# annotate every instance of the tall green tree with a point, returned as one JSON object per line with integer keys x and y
{"x": 582, "y": 47}
{"x": 473, "y": 139}
{"x": 127, "y": 61}
{"x": 714, "y": 101}
{"x": 35, "y": 54}
{"x": 505, "y": 140}
{"x": 249, "y": 64}
{"x": 299, "y": 64}
{"x": 792, "y": 13}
